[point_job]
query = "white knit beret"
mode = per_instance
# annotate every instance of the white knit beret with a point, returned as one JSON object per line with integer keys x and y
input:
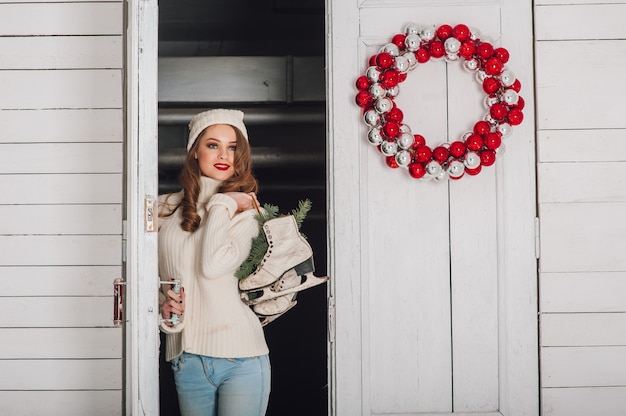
{"x": 201, "y": 121}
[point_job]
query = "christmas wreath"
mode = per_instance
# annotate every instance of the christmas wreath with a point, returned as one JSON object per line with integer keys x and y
{"x": 379, "y": 86}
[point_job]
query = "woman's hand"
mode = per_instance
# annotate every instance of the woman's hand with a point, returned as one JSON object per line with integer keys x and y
{"x": 245, "y": 201}
{"x": 173, "y": 304}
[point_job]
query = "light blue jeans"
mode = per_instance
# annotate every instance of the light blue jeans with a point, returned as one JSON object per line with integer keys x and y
{"x": 209, "y": 386}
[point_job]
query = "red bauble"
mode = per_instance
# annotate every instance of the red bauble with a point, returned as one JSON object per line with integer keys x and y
{"x": 418, "y": 141}
{"x": 485, "y": 50}
{"x": 398, "y": 40}
{"x": 515, "y": 116}
{"x": 363, "y": 99}
{"x": 516, "y": 85}
{"x": 384, "y": 60}
{"x": 395, "y": 114}
{"x": 502, "y": 54}
{"x": 444, "y": 32}
{"x": 423, "y": 153}
{"x": 417, "y": 170}
{"x": 391, "y": 129}
{"x": 372, "y": 61}
{"x": 491, "y": 85}
{"x": 474, "y": 171}
{"x": 437, "y": 50}
{"x": 441, "y": 154}
{"x": 389, "y": 79}
{"x": 520, "y": 103}
{"x": 391, "y": 162}
{"x": 474, "y": 142}
{"x": 482, "y": 127}
{"x": 402, "y": 76}
{"x": 457, "y": 149}
{"x": 362, "y": 82}
{"x": 461, "y": 32}
{"x": 498, "y": 111}
{"x": 422, "y": 55}
{"x": 493, "y": 141}
{"x": 487, "y": 157}
{"x": 493, "y": 66}
{"x": 467, "y": 49}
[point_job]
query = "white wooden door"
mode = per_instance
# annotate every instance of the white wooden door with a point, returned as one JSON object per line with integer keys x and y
{"x": 434, "y": 284}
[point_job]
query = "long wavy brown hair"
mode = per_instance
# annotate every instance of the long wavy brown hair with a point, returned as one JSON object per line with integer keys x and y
{"x": 242, "y": 181}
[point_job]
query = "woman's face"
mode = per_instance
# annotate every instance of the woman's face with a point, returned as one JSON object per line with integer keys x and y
{"x": 216, "y": 151}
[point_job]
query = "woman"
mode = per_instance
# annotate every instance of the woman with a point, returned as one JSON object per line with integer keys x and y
{"x": 216, "y": 346}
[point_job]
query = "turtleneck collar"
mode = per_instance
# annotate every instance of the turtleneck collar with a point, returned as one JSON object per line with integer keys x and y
{"x": 208, "y": 188}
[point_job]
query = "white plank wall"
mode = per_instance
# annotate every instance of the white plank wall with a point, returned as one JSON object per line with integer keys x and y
{"x": 61, "y": 176}
{"x": 582, "y": 200}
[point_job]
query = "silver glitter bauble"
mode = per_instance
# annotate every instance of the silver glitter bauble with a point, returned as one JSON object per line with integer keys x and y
{"x": 389, "y": 148}
{"x": 374, "y": 136}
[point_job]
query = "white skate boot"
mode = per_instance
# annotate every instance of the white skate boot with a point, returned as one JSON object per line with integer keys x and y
{"x": 287, "y": 249}
{"x": 289, "y": 283}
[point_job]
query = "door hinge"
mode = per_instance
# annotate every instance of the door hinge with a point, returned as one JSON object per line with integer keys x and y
{"x": 331, "y": 319}
{"x": 537, "y": 239}
{"x": 118, "y": 301}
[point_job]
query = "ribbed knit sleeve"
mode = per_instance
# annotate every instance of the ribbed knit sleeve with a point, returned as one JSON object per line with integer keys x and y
{"x": 226, "y": 238}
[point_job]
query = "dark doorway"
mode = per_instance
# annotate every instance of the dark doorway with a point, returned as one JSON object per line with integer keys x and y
{"x": 238, "y": 42}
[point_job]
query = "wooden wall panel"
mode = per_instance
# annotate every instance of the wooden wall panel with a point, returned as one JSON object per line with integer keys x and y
{"x": 41, "y": 89}
{"x": 584, "y": 401}
{"x": 62, "y": 125}
{"x": 600, "y": 145}
{"x": 582, "y": 237}
{"x": 59, "y": 280}
{"x": 581, "y": 182}
{"x": 61, "y": 188}
{"x": 583, "y": 329}
{"x": 53, "y": 250}
{"x": 58, "y": 312}
{"x": 61, "y": 219}
{"x": 60, "y": 343}
{"x": 61, "y": 52}
{"x": 583, "y": 292}
{"x": 595, "y": 366}
{"x": 44, "y": 375}
{"x": 66, "y": 403}
{"x": 54, "y": 19}
{"x": 607, "y": 22}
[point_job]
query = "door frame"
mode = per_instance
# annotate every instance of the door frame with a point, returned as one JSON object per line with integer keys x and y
{"x": 142, "y": 333}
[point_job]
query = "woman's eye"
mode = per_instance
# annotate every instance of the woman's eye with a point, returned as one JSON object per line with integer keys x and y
{"x": 212, "y": 146}
{"x": 232, "y": 148}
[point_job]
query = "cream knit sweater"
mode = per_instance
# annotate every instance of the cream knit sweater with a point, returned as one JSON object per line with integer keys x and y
{"x": 216, "y": 322}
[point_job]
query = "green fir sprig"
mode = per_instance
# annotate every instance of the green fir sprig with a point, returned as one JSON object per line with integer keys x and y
{"x": 259, "y": 243}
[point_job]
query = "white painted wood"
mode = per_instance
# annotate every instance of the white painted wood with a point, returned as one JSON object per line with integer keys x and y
{"x": 581, "y": 182}
{"x": 142, "y": 340}
{"x": 61, "y": 158}
{"x": 583, "y": 329}
{"x": 582, "y": 237}
{"x": 62, "y": 312}
{"x": 607, "y": 22}
{"x": 40, "y": 89}
{"x": 594, "y": 366}
{"x": 61, "y": 219}
{"x": 563, "y": 77}
{"x": 584, "y": 401}
{"x": 66, "y": 403}
{"x": 61, "y": 19}
{"x": 60, "y": 343}
{"x": 583, "y": 292}
{"x": 61, "y": 188}
{"x": 59, "y": 125}
{"x": 601, "y": 145}
{"x": 569, "y": 2}
{"x": 387, "y": 214}
{"x": 59, "y": 280}
{"x": 44, "y": 250}
{"x": 77, "y": 374}
{"x": 61, "y": 52}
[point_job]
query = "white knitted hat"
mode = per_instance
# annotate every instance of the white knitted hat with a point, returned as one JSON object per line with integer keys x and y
{"x": 201, "y": 121}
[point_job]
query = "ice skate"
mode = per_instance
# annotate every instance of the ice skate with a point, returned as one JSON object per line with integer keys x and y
{"x": 291, "y": 282}
{"x": 279, "y": 305}
{"x": 287, "y": 249}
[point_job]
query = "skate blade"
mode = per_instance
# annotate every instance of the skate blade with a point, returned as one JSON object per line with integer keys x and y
{"x": 253, "y": 297}
{"x": 266, "y": 319}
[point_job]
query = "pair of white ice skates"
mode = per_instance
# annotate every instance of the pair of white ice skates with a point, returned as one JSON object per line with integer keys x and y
{"x": 286, "y": 268}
